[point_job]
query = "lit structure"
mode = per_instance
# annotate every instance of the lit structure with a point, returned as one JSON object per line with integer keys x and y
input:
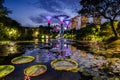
{"x": 61, "y": 18}
{"x": 79, "y": 22}
{"x": 97, "y": 19}
{"x": 57, "y": 28}
{"x": 65, "y": 28}
{"x": 67, "y": 23}
{"x": 84, "y": 21}
{"x": 48, "y": 18}
{"x": 74, "y": 22}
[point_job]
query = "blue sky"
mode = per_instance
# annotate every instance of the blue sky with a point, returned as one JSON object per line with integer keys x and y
{"x": 29, "y": 12}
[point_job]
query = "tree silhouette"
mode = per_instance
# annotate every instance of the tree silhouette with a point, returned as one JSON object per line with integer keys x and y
{"x": 3, "y": 10}
{"x": 109, "y": 9}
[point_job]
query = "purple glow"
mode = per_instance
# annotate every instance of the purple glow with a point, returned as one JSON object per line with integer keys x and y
{"x": 62, "y": 18}
{"x": 57, "y": 45}
{"x": 48, "y": 18}
{"x": 65, "y": 45}
{"x": 57, "y": 28}
{"x": 65, "y": 28}
{"x": 67, "y": 22}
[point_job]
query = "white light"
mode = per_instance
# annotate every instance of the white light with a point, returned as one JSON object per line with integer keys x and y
{"x": 65, "y": 40}
{"x": 65, "y": 28}
{"x": 48, "y": 18}
{"x": 65, "y": 45}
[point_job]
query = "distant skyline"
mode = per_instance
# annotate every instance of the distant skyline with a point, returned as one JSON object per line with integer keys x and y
{"x": 29, "y": 12}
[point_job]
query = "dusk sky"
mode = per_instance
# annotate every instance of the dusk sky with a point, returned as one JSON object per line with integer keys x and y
{"x": 29, "y": 12}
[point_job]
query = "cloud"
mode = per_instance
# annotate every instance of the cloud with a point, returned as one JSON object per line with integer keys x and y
{"x": 55, "y": 7}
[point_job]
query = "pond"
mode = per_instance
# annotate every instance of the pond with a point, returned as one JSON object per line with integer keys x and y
{"x": 91, "y": 67}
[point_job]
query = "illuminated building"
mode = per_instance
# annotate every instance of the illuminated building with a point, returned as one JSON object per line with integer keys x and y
{"x": 74, "y": 22}
{"x": 84, "y": 21}
{"x": 79, "y": 22}
{"x": 97, "y": 19}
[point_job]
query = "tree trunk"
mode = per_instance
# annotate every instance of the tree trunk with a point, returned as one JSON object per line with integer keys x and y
{"x": 113, "y": 29}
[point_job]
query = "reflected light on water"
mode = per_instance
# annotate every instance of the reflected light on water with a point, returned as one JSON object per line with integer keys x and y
{"x": 73, "y": 48}
{"x": 13, "y": 49}
{"x": 12, "y": 43}
{"x": 47, "y": 40}
{"x": 65, "y": 45}
{"x": 37, "y": 57}
{"x": 36, "y": 41}
{"x": 42, "y": 40}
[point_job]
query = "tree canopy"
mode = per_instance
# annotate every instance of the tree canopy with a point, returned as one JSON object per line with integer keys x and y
{"x": 109, "y": 9}
{"x": 3, "y": 10}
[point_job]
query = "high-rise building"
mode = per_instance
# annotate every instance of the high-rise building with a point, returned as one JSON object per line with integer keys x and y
{"x": 74, "y": 22}
{"x": 79, "y": 22}
{"x": 97, "y": 19}
{"x": 84, "y": 21}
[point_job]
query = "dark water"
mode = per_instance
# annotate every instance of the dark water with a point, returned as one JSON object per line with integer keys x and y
{"x": 44, "y": 55}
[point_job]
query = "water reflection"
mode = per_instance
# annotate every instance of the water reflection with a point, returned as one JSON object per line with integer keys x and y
{"x": 36, "y": 41}
{"x": 89, "y": 64}
{"x": 10, "y": 49}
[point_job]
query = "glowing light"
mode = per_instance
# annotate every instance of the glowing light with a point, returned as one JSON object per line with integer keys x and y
{"x": 67, "y": 22}
{"x": 57, "y": 45}
{"x": 47, "y": 36}
{"x": 57, "y": 28}
{"x": 36, "y": 33}
{"x": 62, "y": 18}
{"x": 36, "y": 41}
{"x": 65, "y": 28}
{"x": 48, "y": 18}
{"x": 43, "y": 40}
{"x": 47, "y": 40}
{"x": 43, "y": 36}
{"x": 12, "y": 49}
{"x": 12, "y": 43}
{"x": 65, "y": 40}
{"x": 65, "y": 45}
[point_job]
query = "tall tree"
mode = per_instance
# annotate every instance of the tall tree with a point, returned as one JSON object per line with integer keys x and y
{"x": 3, "y": 10}
{"x": 109, "y": 9}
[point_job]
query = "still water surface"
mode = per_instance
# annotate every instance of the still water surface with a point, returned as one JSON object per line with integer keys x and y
{"x": 44, "y": 55}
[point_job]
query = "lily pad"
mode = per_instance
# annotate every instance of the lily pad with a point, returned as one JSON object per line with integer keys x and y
{"x": 35, "y": 70}
{"x": 64, "y": 64}
{"x": 22, "y": 59}
{"x": 5, "y": 70}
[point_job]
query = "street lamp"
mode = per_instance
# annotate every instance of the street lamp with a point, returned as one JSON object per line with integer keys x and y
{"x": 61, "y": 18}
{"x": 48, "y": 18}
